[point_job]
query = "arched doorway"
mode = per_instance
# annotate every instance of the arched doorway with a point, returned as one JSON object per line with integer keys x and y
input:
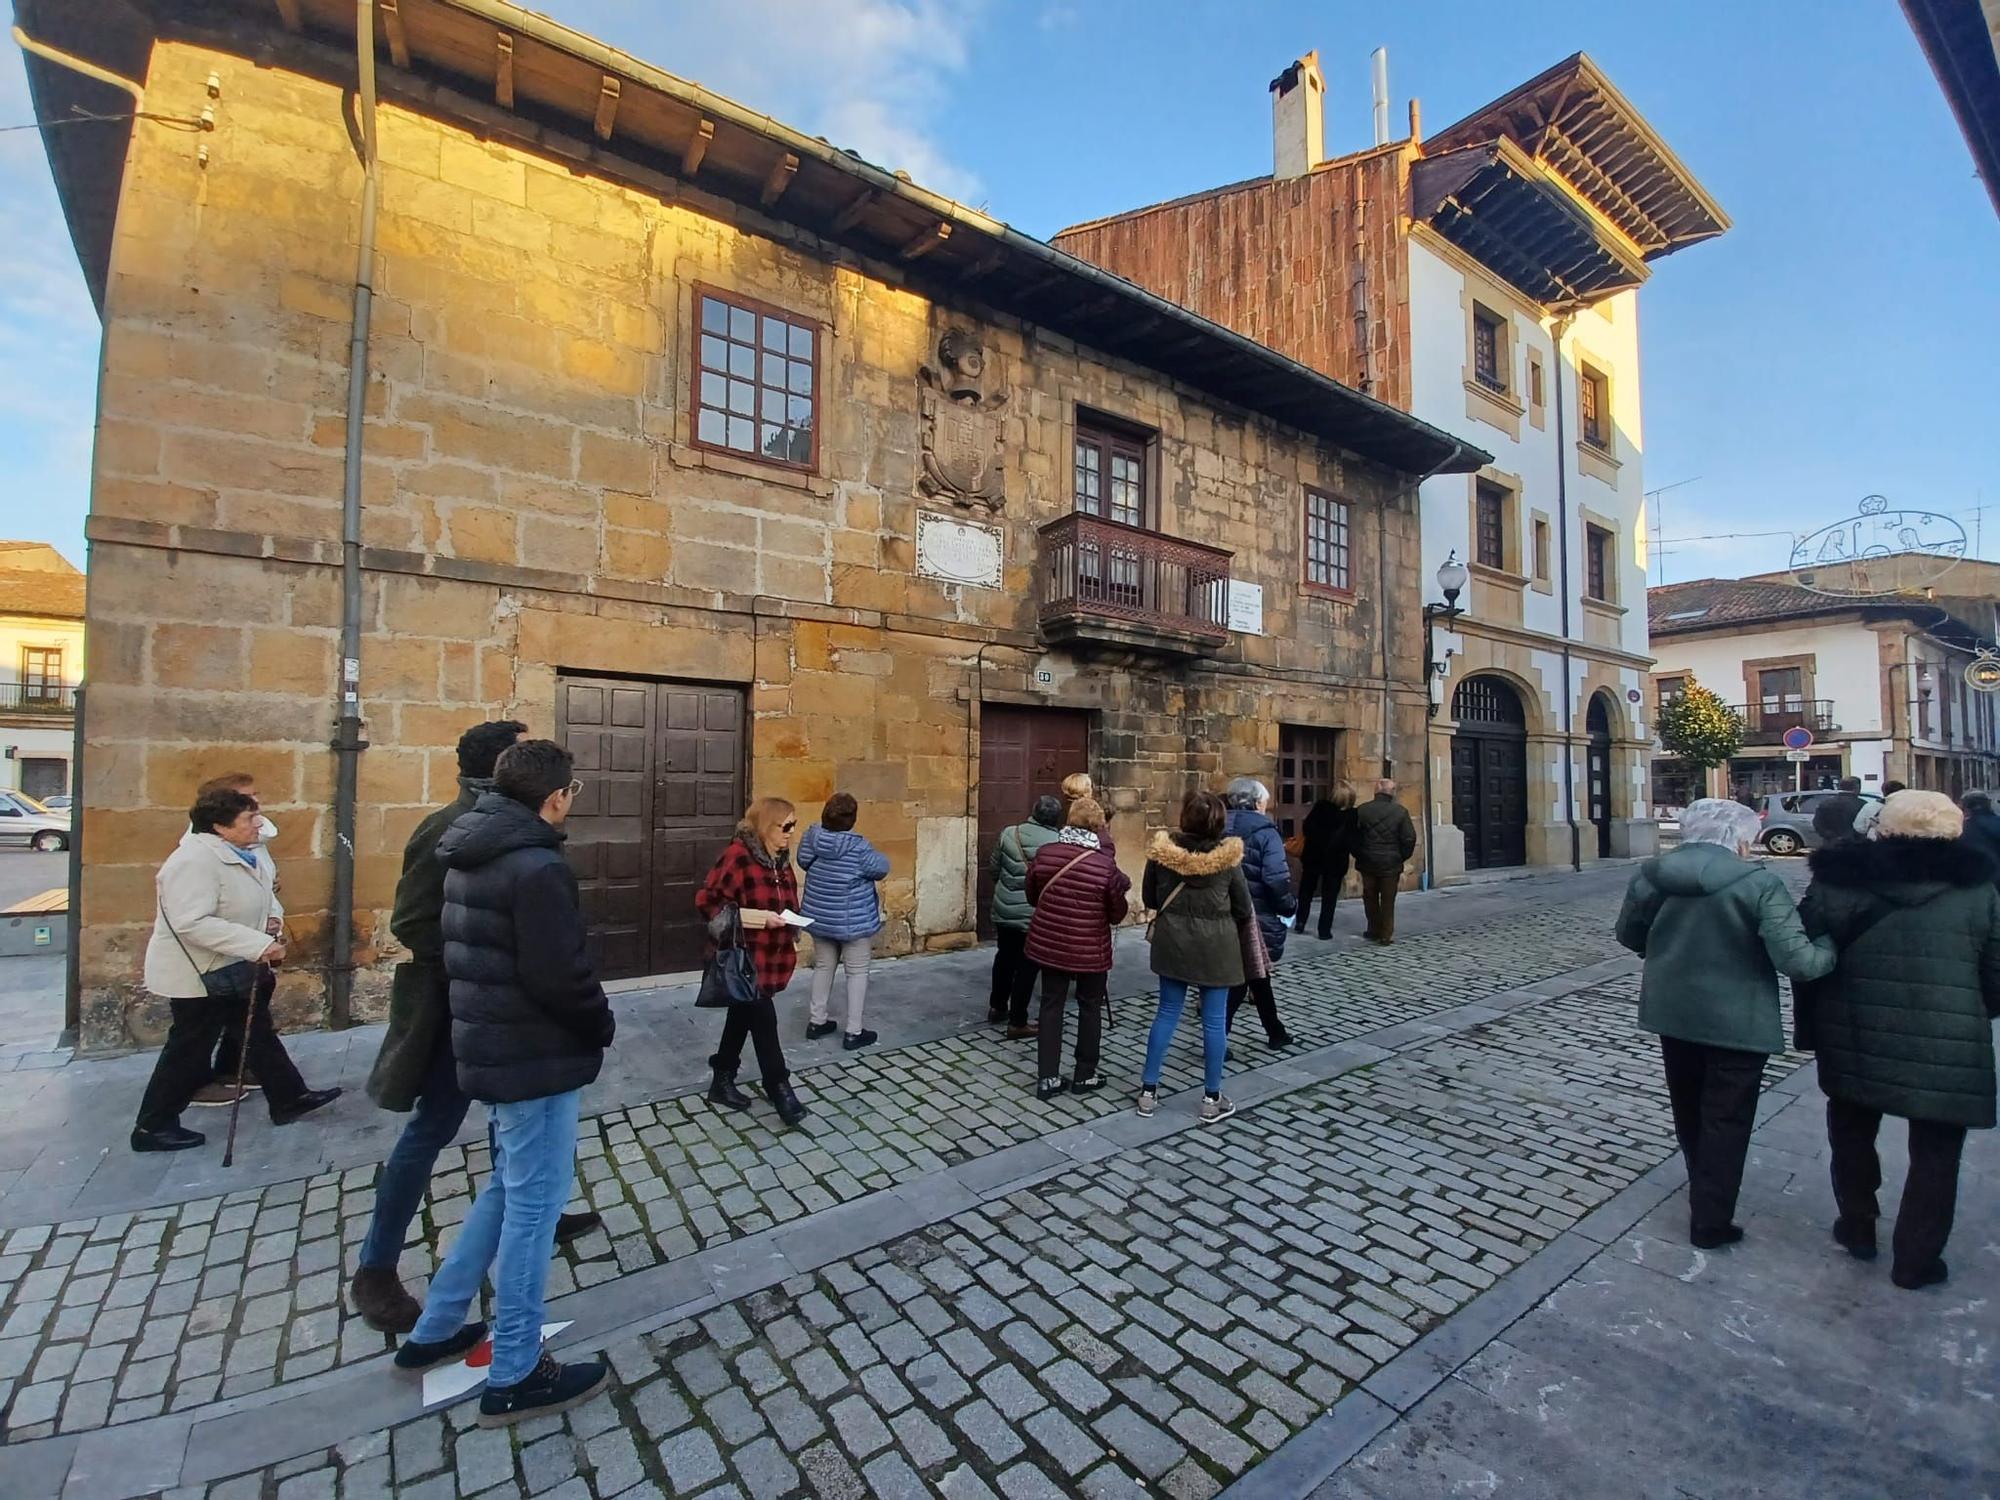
{"x": 1489, "y": 773}
{"x": 1597, "y": 772}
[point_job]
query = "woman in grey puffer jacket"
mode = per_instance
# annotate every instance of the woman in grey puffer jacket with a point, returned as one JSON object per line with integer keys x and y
{"x": 841, "y": 869}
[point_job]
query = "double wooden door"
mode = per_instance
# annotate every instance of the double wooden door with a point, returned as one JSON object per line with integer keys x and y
{"x": 1597, "y": 774}
{"x": 1023, "y": 754}
{"x": 1306, "y": 758}
{"x": 662, "y": 767}
{"x": 1489, "y": 773}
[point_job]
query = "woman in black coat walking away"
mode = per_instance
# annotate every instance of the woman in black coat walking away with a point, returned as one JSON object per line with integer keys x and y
{"x": 1270, "y": 881}
{"x": 1904, "y": 1024}
{"x": 1329, "y": 843}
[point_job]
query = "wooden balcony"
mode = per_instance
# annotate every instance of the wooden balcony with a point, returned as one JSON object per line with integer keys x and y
{"x": 1102, "y": 583}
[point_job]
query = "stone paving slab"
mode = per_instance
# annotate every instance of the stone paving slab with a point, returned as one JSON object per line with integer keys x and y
{"x": 1170, "y": 1316}
{"x": 130, "y": 1316}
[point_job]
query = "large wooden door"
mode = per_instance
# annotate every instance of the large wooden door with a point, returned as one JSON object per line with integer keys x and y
{"x": 1489, "y": 773}
{"x": 1306, "y": 758}
{"x": 1023, "y": 753}
{"x": 662, "y": 770}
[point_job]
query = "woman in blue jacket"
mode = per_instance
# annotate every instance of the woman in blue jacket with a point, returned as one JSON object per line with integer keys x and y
{"x": 841, "y": 869}
{"x": 1270, "y": 878}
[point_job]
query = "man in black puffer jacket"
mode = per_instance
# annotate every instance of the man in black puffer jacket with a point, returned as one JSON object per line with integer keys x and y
{"x": 529, "y": 1025}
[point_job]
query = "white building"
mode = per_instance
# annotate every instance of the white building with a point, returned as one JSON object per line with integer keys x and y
{"x": 1485, "y": 279}
{"x": 41, "y": 663}
{"x": 1879, "y": 683}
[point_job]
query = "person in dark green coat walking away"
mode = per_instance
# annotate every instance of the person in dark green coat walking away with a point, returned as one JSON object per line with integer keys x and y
{"x": 1013, "y": 974}
{"x": 1905, "y": 1024}
{"x": 1715, "y": 929}
{"x": 416, "y": 1069}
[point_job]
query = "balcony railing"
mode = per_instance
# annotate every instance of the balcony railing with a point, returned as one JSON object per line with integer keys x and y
{"x": 1124, "y": 586}
{"x": 37, "y": 698}
{"x": 1766, "y": 723}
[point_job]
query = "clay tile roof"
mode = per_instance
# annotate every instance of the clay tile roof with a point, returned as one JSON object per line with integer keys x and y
{"x": 35, "y": 579}
{"x": 1707, "y": 602}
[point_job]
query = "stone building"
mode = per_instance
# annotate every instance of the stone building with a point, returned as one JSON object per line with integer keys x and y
{"x": 738, "y": 463}
{"x": 41, "y": 661}
{"x": 1484, "y": 278}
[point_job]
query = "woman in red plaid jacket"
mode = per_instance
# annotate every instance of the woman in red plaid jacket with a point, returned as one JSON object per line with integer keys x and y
{"x": 753, "y": 882}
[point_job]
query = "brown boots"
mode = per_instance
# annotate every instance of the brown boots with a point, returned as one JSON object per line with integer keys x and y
{"x": 384, "y": 1306}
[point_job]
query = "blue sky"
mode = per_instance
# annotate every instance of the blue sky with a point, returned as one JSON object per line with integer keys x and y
{"x": 1839, "y": 341}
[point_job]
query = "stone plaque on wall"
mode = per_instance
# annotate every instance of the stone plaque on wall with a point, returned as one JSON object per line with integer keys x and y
{"x": 958, "y": 551}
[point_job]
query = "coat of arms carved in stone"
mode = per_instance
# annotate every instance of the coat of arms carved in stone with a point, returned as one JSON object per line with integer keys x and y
{"x": 961, "y": 427}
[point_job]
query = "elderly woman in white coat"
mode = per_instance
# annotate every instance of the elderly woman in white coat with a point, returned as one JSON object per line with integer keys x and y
{"x": 214, "y": 903}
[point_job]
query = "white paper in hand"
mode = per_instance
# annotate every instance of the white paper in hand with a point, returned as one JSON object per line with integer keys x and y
{"x": 449, "y": 1382}
{"x": 792, "y": 919}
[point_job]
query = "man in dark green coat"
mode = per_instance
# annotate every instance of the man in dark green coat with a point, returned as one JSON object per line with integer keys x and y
{"x": 1715, "y": 930}
{"x": 1905, "y": 1024}
{"x": 1013, "y": 973}
{"x": 415, "y": 1068}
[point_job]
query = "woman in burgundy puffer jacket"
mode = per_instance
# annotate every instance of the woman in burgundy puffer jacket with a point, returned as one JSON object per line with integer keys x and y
{"x": 1078, "y": 893}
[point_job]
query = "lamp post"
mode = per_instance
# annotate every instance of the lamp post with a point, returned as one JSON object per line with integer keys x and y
{"x": 1451, "y": 579}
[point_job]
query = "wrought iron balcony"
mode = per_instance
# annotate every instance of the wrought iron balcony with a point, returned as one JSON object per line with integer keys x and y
{"x": 1118, "y": 585}
{"x": 1766, "y": 723}
{"x": 52, "y": 699}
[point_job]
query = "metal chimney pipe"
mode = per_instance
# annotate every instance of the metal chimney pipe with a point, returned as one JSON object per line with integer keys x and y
{"x": 1380, "y": 64}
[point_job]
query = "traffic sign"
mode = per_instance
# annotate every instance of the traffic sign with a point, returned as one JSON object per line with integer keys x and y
{"x": 1798, "y": 757}
{"x": 1798, "y": 737}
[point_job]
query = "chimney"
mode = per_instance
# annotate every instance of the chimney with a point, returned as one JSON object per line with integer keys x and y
{"x": 1298, "y": 100}
{"x": 1379, "y": 87}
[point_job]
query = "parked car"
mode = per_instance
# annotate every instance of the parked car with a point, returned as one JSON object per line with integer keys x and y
{"x": 23, "y": 820}
{"x": 1788, "y": 819}
{"x": 62, "y": 802}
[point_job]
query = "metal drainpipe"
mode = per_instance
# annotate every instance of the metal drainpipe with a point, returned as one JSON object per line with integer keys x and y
{"x": 1562, "y": 547}
{"x": 347, "y": 741}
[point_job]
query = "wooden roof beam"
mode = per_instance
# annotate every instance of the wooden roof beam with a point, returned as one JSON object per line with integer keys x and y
{"x": 697, "y": 147}
{"x": 1571, "y": 159}
{"x": 925, "y": 240}
{"x": 608, "y": 90}
{"x": 288, "y": 12}
{"x": 778, "y": 179}
{"x": 503, "y": 71}
{"x": 392, "y": 28}
{"x": 848, "y": 216}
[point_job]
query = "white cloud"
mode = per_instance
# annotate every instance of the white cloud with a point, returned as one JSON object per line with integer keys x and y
{"x": 873, "y": 76}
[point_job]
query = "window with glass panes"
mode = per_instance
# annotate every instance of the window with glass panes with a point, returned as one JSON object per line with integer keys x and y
{"x": 1489, "y": 349}
{"x": 1596, "y": 562}
{"x": 1592, "y": 406}
{"x": 757, "y": 380}
{"x": 1490, "y": 514}
{"x": 1326, "y": 541}
{"x": 1110, "y": 476}
{"x": 41, "y": 672}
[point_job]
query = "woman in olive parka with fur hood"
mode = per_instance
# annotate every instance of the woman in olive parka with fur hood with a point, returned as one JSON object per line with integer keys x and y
{"x": 1194, "y": 885}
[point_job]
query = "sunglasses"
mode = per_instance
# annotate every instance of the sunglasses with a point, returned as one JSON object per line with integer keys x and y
{"x": 788, "y": 825}
{"x": 576, "y": 788}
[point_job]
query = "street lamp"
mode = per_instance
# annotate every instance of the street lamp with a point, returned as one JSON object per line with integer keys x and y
{"x": 1451, "y": 577}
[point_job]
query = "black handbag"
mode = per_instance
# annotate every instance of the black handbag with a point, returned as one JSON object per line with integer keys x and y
{"x": 235, "y": 981}
{"x": 730, "y": 976}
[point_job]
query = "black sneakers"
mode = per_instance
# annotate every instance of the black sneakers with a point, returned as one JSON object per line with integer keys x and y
{"x": 854, "y": 1041}
{"x": 166, "y": 1138}
{"x": 817, "y": 1029}
{"x": 549, "y": 1388}
{"x": 1088, "y": 1085}
{"x": 415, "y": 1358}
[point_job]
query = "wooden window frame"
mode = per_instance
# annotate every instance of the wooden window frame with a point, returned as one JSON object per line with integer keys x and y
{"x": 1113, "y": 438}
{"x": 760, "y": 309}
{"x": 1480, "y": 489}
{"x": 1484, "y": 317}
{"x": 1341, "y": 520}
{"x": 47, "y": 682}
{"x": 1600, "y": 558}
{"x": 1594, "y": 430}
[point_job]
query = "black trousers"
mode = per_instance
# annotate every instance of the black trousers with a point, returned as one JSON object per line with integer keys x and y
{"x": 1260, "y": 991}
{"x": 1714, "y": 1095}
{"x": 1930, "y": 1192}
{"x": 759, "y": 1022}
{"x": 229, "y": 1046}
{"x": 1327, "y": 879}
{"x": 1013, "y": 975}
{"x": 1090, "y": 992}
{"x": 184, "y": 1061}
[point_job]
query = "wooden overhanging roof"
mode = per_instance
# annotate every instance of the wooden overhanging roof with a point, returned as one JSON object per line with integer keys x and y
{"x": 511, "y": 74}
{"x": 1515, "y": 218}
{"x": 1573, "y": 122}
{"x": 1963, "y": 46}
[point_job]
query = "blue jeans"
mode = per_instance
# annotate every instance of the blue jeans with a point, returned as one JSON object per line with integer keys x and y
{"x": 1214, "y": 1031}
{"x": 512, "y": 1230}
{"x": 406, "y": 1175}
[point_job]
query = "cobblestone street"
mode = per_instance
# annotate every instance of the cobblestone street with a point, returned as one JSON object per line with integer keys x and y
{"x": 943, "y": 1287}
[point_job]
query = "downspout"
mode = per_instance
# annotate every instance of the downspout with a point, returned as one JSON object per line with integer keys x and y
{"x": 1427, "y": 880}
{"x": 1561, "y": 327}
{"x": 77, "y": 65}
{"x": 347, "y": 741}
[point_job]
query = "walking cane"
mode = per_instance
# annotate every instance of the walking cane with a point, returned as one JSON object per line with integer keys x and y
{"x": 242, "y": 1064}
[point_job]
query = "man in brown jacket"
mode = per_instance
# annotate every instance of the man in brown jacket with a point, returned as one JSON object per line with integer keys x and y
{"x": 1384, "y": 840}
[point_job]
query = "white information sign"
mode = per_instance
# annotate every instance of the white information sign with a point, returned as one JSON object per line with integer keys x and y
{"x": 958, "y": 551}
{"x": 1246, "y": 607}
{"x": 1798, "y": 757}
